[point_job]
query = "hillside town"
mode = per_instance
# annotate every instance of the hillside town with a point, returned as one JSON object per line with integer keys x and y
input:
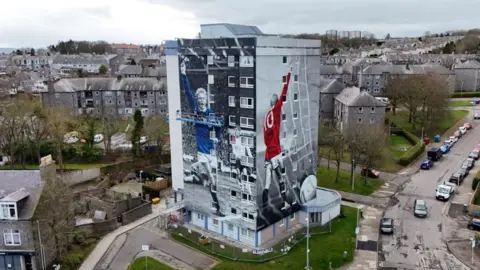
{"x": 240, "y": 149}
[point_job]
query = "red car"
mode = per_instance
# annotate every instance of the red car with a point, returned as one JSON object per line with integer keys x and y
{"x": 371, "y": 173}
{"x": 467, "y": 126}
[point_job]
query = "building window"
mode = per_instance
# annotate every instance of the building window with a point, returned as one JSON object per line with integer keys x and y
{"x": 231, "y": 60}
{"x": 247, "y": 122}
{"x": 233, "y": 193}
{"x": 284, "y": 135}
{"x": 284, "y": 117}
{"x": 247, "y": 161}
{"x": 233, "y": 211}
{"x": 295, "y": 132}
{"x": 210, "y": 79}
{"x": 246, "y": 82}
{"x": 8, "y": 211}
{"x": 230, "y": 227}
{"x": 244, "y": 177}
{"x": 284, "y": 98}
{"x": 247, "y": 141}
{"x": 284, "y": 79}
{"x": 215, "y": 222}
{"x": 372, "y": 120}
{"x": 231, "y": 120}
{"x": 248, "y": 233}
{"x": 199, "y": 216}
{"x": 295, "y": 78}
{"x": 231, "y": 81}
{"x": 376, "y": 90}
{"x": 283, "y": 170}
{"x": 373, "y": 109}
{"x": 294, "y": 166}
{"x": 210, "y": 59}
{"x": 247, "y": 197}
{"x": 281, "y": 222}
{"x": 295, "y": 115}
{"x": 360, "y": 109}
{"x": 231, "y": 101}
{"x": 284, "y": 59}
{"x": 376, "y": 83}
{"x": 246, "y": 103}
{"x": 292, "y": 216}
{"x": 11, "y": 237}
{"x": 246, "y": 61}
{"x": 359, "y": 120}
{"x": 232, "y": 139}
{"x": 295, "y": 96}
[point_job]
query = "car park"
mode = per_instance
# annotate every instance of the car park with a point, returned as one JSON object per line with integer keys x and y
{"x": 427, "y": 164}
{"x": 445, "y": 148}
{"x": 420, "y": 208}
{"x": 476, "y": 115}
{"x": 457, "y": 178}
{"x": 474, "y": 224}
{"x": 462, "y": 130}
{"x": 474, "y": 154}
{"x": 371, "y": 173}
{"x": 386, "y": 226}
{"x": 443, "y": 192}
{"x": 468, "y": 126}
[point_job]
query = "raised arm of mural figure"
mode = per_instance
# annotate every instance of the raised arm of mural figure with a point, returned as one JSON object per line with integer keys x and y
{"x": 284, "y": 91}
{"x": 187, "y": 87}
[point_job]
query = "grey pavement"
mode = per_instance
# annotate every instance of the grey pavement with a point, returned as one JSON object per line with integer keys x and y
{"x": 421, "y": 243}
{"x": 462, "y": 250}
{"x": 165, "y": 258}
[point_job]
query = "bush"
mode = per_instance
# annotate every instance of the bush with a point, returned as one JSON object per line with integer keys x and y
{"x": 466, "y": 94}
{"x": 476, "y": 180}
{"x": 418, "y": 148}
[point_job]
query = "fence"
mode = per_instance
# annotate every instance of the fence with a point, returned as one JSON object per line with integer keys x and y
{"x": 222, "y": 250}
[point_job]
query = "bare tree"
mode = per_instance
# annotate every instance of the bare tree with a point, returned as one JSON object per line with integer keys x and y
{"x": 373, "y": 139}
{"x": 14, "y": 128}
{"x": 354, "y": 141}
{"x": 156, "y": 130}
{"x": 337, "y": 146}
{"x": 111, "y": 126}
{"x": 37, "y": 126}
{"x": 393, "y": 92}
{"x": 324, "y": 140}
{"x": 57, "y": 122}
{"x": 435, "y": 100}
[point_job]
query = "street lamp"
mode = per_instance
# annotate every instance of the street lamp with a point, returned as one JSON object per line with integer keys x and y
{"x": 307, "y": 267}
{"x": 353, "y": 176}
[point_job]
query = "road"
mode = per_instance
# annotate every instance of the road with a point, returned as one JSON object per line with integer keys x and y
{"x": 420, "y": 243}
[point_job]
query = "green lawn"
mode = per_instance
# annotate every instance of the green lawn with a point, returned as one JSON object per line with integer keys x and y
{"x": 399, "y": 145}
{"x": 461, "y": 103}
{"x": 72, "y": 166}
{"x": 453, "y": 117}
{"x": 326, "y": 178}
{"x": 325, "y": 248}
{"x": 139, "y": 264}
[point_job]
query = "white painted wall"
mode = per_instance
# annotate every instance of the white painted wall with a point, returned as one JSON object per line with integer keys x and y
{"x": 331, "y": 213}
{"x": 232, "y": 234}
{"x": 214, "y": 228}
{"x": 200, "y": 222}
{"x": 176, "y": 148}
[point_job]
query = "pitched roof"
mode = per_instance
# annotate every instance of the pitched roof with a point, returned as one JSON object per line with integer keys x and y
{"x": 330, "y": 70}
{"x": 331, "y": 86}
{"x": 353, "y": 96}
{"x": 13, "y": 181}
{"x": 110, "y": 84}
{"x": 407, "y": 69}
{"x": 470, "y": 64}
{"x": 144, "y": 71}
{"x": 239, "y": 29}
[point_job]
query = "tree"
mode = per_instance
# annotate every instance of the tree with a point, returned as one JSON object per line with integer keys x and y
{"x": 13, "y": 132}
{"x": 156, "y": 129}
{"x": 393, "y": 91}
{"x": 137, "y": 132}
{"x": 334, "y": 51}
{"x": 374, "y": 141}
{"x": 32, "y": 52}
{"x": 338, "y": 147}
{"x": 18, "y": 52}
{"x": 54, "y": 212}
{"x": 111, "y": 126}
{"x": 435, "y": 101}
{"x": 81, "y": 73}
{"x": 103, "y": 69}
{"x": 37, "y": 126}
{"x": 57, "y": 123}
{"x": 354, "y": 147}
{"x": 387, "y": 36}
{"x": 89, "y": 151}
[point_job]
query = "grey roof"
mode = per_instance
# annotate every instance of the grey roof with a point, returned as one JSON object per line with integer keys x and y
{"x": 12, "y": 181}
{"x": 324, "y": 199}
{"x": 331, "y": 70}
{"x": 407, "y": 69}
{"x": 331, "y": 86}
{"x": 80, "y": 59}
{"x": 353, "y": 96}
{"x": 16, "y": 196}
{"x": 144, "y": 71}
{"x": 470, "y": 64}
{"x": 110, "y": 84}
{"x": 239, "y": 29}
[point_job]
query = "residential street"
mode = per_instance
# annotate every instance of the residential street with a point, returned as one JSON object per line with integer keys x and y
{"x": 421, "y": 243}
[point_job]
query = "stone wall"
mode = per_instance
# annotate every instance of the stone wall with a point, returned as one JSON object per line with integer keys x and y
{"x": 99, "y": 228}
{"x": 75, "y": 177}
{"x": 128, "y": 204}
{"x": 136, "y": 213}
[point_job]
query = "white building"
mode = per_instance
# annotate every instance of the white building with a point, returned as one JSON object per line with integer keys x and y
{"x": 343, "y": 34}
{"x": 89, "y": 63}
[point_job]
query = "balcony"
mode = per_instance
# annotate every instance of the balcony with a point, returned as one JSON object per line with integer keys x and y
{"x": 210, "y": 120}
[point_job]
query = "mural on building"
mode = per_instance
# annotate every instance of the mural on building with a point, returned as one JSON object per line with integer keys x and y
{"x": 286, "y": 150}
{"x": 218, "y": 152}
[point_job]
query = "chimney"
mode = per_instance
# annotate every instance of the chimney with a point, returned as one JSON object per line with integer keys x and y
{"x": 48, "y": 169}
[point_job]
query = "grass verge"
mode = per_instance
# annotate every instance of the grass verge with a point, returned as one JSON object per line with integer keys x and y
{"x": 325, "y": 248}
{"x": 461, "y": 103}
{"x": 399, "y": 145}
{"x": 71, "y": 166}
{"x": 326, "y": 178}
{"x": 139, "y": 264}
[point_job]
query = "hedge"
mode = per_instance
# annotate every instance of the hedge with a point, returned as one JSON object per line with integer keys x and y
{"x": 466, "y": 94}
{"x": 418, "y": 148}
{"x": 476, "y": 180}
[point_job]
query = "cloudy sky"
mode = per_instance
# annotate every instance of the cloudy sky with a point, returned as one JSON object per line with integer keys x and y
{"x": 40, "y": 23}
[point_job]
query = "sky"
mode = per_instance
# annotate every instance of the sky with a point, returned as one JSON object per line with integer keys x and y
{"x": 35, "y": 23}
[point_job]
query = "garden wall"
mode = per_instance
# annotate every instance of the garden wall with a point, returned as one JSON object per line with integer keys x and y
{"x": 75, "y": 177}
{"x": 99, "y": 228}
{"x": 413, "y": 153}
{"x": 136, "y": 213}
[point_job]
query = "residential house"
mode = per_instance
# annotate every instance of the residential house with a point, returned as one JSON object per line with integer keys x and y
{"x": 467, "y": 76}
{"x": 354, "y": 107}
{"x": 375, "y": 78}
{"x": 66, "y": 64}
{"x": 99, "y": 96}
{"x": 352, "y": 68}
{"x": 329, "y": 89}
{"x": 29, "y": 62}
{"x": 334, "y": 72}
{"x": 117, "y": 63}
{"x": 142, "y": 71}
{"x": 125, "y": 49}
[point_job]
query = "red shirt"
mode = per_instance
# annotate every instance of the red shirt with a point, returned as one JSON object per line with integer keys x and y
{"x": 271, "y": 125}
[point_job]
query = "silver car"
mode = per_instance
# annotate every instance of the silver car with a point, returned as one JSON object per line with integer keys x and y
{"x": 386, "y": 226}
{"x": 420, "y": 208}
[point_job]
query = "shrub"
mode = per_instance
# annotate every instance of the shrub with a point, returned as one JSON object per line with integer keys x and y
{"x": 466, "y": 94}
{"x": 476, "y": 180}
{"x": 412, "y": 153}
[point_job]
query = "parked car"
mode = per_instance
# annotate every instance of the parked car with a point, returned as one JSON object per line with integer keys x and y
{"x": 443, "y": 192}
{"x": 445, "y": 148}
{"x": 420, "y": 208}
{"x": 463, "y": 172}
{"x": 474, "y": 224}
{"x": 434, "y": 154}
{"x": 468, "y": 126}
{"x": 371, "y": 173}
{"x": 457, "y": 134}
{"x": 462, "y": 130}
{"x": 476, "y": 115}
{"x": 453, "y": 138}
{"x": 470, "y": 162}
{"x": 386, "y": 226}
{"x": 474, "y": 154}
{"x": 465, "y": 166}
{"x": 427, "y": 164}
{"x": 457, "y": 178}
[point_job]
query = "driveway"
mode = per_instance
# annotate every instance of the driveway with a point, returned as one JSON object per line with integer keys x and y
{"x": 126, "y": 247}
{"x": 421, "y": 243}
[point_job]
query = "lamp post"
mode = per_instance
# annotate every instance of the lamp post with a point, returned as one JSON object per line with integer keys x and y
{"x": 307, "y": 267}
{"x": 353, "y": 176}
